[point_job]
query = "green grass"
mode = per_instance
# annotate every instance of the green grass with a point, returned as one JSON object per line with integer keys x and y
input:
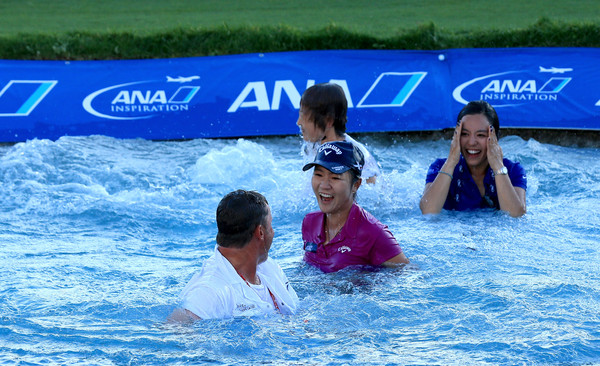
{"x": 111, "y": 29}
{"x": 373, "y": 18}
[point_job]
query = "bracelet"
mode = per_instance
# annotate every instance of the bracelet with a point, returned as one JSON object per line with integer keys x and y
{"x": 448, "y": 174}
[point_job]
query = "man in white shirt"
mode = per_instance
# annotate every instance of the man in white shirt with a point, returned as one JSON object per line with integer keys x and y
{"x": 239, "y": 279}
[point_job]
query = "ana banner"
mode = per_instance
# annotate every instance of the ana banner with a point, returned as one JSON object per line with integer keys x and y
{"x": 259, "y": 94}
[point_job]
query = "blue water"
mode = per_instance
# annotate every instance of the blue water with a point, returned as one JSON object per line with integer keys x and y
{"x": 99, "y": 236}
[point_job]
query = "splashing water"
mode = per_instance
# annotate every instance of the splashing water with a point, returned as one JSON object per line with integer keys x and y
{"x": 100, "y": 235}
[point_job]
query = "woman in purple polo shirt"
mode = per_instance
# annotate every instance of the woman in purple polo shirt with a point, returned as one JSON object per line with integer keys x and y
{"x": 341, "y": 233}
{"x": 475, "y": 174}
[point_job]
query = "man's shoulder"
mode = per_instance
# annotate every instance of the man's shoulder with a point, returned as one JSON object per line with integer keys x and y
{"x": 213, "y": 274}
{"x": 211, "y": 285}
{"x": 208, "y": 295}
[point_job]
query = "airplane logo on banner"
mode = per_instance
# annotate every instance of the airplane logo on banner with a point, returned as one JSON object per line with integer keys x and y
{"x": 182, "y": 79}
{"x": 556, "y": 70}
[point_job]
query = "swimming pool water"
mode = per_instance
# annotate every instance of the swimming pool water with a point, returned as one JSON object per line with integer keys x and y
{"x": 100, "y": 235}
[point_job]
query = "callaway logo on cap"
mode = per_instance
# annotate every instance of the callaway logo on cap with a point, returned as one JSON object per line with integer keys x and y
{"x": 346, "y": 157}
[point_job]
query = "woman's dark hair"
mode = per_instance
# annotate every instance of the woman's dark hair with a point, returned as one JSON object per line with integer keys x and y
{"x": 355, "y": 176}
{"x": 356, "y": 172}
{"x": 481, "y": 107}
{"x": 326, "y": 100}
{"x": 238, "y": 215}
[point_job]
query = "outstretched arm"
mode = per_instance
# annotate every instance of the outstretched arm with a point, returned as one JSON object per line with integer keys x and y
{"x": 511, "y": 199}
{"x": 435, "y": 193}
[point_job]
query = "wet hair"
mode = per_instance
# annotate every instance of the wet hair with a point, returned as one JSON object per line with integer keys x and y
{"x": 355, "y": 175}
{"x": 481, "y": 107}
{"x": 326, "y": 100}
{"x": 238, "y": 215}
{"x": 359, "y": 158}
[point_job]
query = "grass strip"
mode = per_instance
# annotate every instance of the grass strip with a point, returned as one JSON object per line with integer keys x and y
{"x": 224, "y": 40}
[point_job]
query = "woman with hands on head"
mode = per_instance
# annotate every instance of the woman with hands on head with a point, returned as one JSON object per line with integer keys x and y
{"x": 475, "y": 174}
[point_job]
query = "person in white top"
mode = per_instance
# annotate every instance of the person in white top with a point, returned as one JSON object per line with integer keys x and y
{"x": 322, "y": 118}
{"x": 239, "y": 279}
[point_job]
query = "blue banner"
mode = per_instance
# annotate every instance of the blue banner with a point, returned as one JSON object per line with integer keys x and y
{"x": 259, "y": 94}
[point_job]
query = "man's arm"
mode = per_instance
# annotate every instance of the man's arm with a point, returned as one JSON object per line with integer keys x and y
{"x": 182, "y": 316}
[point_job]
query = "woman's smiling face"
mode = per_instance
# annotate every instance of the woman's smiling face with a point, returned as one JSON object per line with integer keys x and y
{"x": 333, "y": 191}
{"x": 475, "y": 130}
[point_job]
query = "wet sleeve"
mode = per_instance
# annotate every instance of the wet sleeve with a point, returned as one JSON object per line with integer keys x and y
{"x": 385, "y": 247}
{"x": 434, "y": 169}
{"x": 517, "y": 175}
{"x": 371, "y": 168}
{"x": 206, "y": 303}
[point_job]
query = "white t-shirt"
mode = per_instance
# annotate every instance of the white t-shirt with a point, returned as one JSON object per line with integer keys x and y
{"x": 262, "y": 291}
{"x": 218, "y": 291}
{"x": 371, "y": 168}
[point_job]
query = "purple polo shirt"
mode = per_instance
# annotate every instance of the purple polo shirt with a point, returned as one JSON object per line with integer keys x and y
{"x": 363, "y": 241}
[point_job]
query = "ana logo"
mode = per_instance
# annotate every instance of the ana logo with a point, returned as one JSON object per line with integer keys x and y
{"x": 513, "y": 88}
{"x": 19, "y": 98}
{"x": 142, "y": 99}
{"x": 390, "y": 89}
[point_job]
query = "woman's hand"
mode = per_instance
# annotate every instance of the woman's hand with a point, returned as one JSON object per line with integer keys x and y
{"x": 454, "y": 155}
{"x": 494, "y": 151}
{"x": 512, "y": 199}
{"x": 435, "y": 193}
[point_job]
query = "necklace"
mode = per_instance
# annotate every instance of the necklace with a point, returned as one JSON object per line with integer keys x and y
{"x": 330, "y": 236}
{"x": 268, "y": 289}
